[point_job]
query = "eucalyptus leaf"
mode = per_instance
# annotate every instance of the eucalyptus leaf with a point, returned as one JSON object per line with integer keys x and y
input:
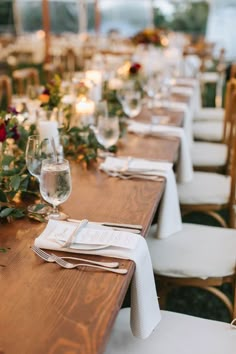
{"x": 7, "y": 159}
{"x": 6, "y": 212}
{"x": 15, "y": 182}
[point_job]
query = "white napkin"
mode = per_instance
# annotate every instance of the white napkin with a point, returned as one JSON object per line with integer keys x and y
{"x": 185, "y": 81}
{"x": 169, "y": 217}
{"x": 145, "y": 312}
{"x": 184, "y": 165}
{"x": 183, "y": 90}
{"x": 188, "y": 117}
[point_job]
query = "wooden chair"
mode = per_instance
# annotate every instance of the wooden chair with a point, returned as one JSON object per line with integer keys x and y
{"x": 25, "y": 77}
{"x": 5, "y": 89}
{"x": 51, "y": 69}
{"x": 197, "y": 256}
{"x": 214, "y": 157}
{"x": 211, "y": 129}
{"x": 175, "y": 334}
{"x": 211, "y": 192}
{"x": 233, "y": 71}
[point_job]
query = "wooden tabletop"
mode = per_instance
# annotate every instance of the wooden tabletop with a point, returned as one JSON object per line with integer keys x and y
{"x": 46, "y": 309}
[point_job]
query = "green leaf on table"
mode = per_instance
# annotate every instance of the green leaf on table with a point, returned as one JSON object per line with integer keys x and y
{"x": 37, "y": 217}
{"x": 39, "y": 207}
{"x": 6, "y": 212}
{"x": 17, "y": 213}
{"x": 15, "y": 182}
{"x": 7, "y": 159}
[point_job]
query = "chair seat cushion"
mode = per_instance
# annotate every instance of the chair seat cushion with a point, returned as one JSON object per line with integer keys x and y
{"x": 175, "y": 334}
{"x": 208, "y": 131}
{"x": 209, "y": 77}
{"x": 196, "y": 251}
{"x": 205, "y": 188}
{"x": 211, "y": 114}
{"x": 209, "y": 154}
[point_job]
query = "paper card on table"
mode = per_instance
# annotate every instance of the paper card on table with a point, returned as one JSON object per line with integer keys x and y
{"x": 61, "y": 231}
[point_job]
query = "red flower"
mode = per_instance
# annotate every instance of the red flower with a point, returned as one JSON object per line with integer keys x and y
{"x": 134, "y": 69}
{"x": 3, "y": 133}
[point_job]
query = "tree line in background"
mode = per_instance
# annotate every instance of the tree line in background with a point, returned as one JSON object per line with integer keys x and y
{"x": 187, "y": 17}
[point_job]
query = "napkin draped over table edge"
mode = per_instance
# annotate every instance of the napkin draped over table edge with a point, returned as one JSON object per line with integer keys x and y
{"x": 145, "y": 311}
{"x": 169, "y": 216}
{"x": 184, "y": 171}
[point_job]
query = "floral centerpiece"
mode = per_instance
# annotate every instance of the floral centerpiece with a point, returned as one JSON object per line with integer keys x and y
{"x": 51, "y": 96}
{"x": 152, "y": 36}
{"x": 15, "y": 181}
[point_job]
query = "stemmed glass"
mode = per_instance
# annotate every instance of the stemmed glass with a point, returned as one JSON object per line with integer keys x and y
{"x": 151, "y": 86}
{"x": 131, "y": 102}
{"x": 107, "y": 131}
{"x": 55, "y": 186}
{"x": 36, "y": 152}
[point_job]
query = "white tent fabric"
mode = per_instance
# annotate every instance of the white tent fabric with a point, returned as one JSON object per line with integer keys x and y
{"x": 221, "y": 26}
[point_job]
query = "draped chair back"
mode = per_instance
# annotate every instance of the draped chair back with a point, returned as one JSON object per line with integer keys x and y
{"x": 25, "y": 77}
{"x": 5, "y": 89}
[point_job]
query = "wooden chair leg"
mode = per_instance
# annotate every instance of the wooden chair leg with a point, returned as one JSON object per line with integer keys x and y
{"x": 218, "y": 293}
{"x": 218, "y": 218}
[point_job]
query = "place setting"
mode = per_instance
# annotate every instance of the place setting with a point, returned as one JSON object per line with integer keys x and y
{"x": 93, "y": 239}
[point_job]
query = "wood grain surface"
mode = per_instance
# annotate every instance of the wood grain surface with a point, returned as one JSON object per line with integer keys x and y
{"x": 46, "y": 309}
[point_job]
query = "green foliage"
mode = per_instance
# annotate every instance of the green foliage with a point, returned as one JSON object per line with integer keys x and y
{"x": 15, "y": 179}
{"x": 192, "y": 19}
{"x": 189, "y": 17}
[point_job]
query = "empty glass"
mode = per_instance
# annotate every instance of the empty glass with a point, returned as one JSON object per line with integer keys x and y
{"x": 55, "y": 185}
{"x": 36, "y": 152}
{"x": 107, "y": 131}
{"x": 131, "y": 102}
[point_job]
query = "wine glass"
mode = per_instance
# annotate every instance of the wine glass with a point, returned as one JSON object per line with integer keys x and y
{"x": 131, "y": 102}
{"x": 101, "y": 110}
{"x": 151, "y": 87}
{"x": 107, "y": 131}
{"x": 55, "y": 185}
{"x": 36, "y": 152}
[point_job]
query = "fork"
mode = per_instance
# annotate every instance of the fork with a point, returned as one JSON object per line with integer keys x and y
{"x": 52, "y": 258}
{"x": 68, "y": 265}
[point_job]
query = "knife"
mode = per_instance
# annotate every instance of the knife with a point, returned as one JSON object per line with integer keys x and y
{"x": 129, "y": 227}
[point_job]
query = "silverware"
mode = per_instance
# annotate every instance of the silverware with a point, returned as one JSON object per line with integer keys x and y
{"x": 52, "y": 258}
{"x": 115, "y": 226}
{"x": 68, "y": 265}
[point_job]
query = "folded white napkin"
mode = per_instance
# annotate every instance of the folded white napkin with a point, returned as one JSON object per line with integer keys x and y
{"x": 185, "y": 81}
{"x": 145, "y": 312}
{"x": 169, "y": 217}
{"x": 193, "y": 92}
{"x": 184, "y": 171}
{"x": 187, "y": 91}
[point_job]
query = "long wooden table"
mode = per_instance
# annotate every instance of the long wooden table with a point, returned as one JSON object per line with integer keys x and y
{"x": 46, "y": 309}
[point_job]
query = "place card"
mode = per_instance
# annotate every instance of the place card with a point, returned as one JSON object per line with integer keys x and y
{"x": 62, "y": 231}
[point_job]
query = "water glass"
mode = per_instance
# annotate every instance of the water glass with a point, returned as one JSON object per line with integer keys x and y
{"x": 36, "y": 152}
{"x": 108, "y": 130}
{"x": 55, "y": 186}
{"x": 131, "y": 103}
